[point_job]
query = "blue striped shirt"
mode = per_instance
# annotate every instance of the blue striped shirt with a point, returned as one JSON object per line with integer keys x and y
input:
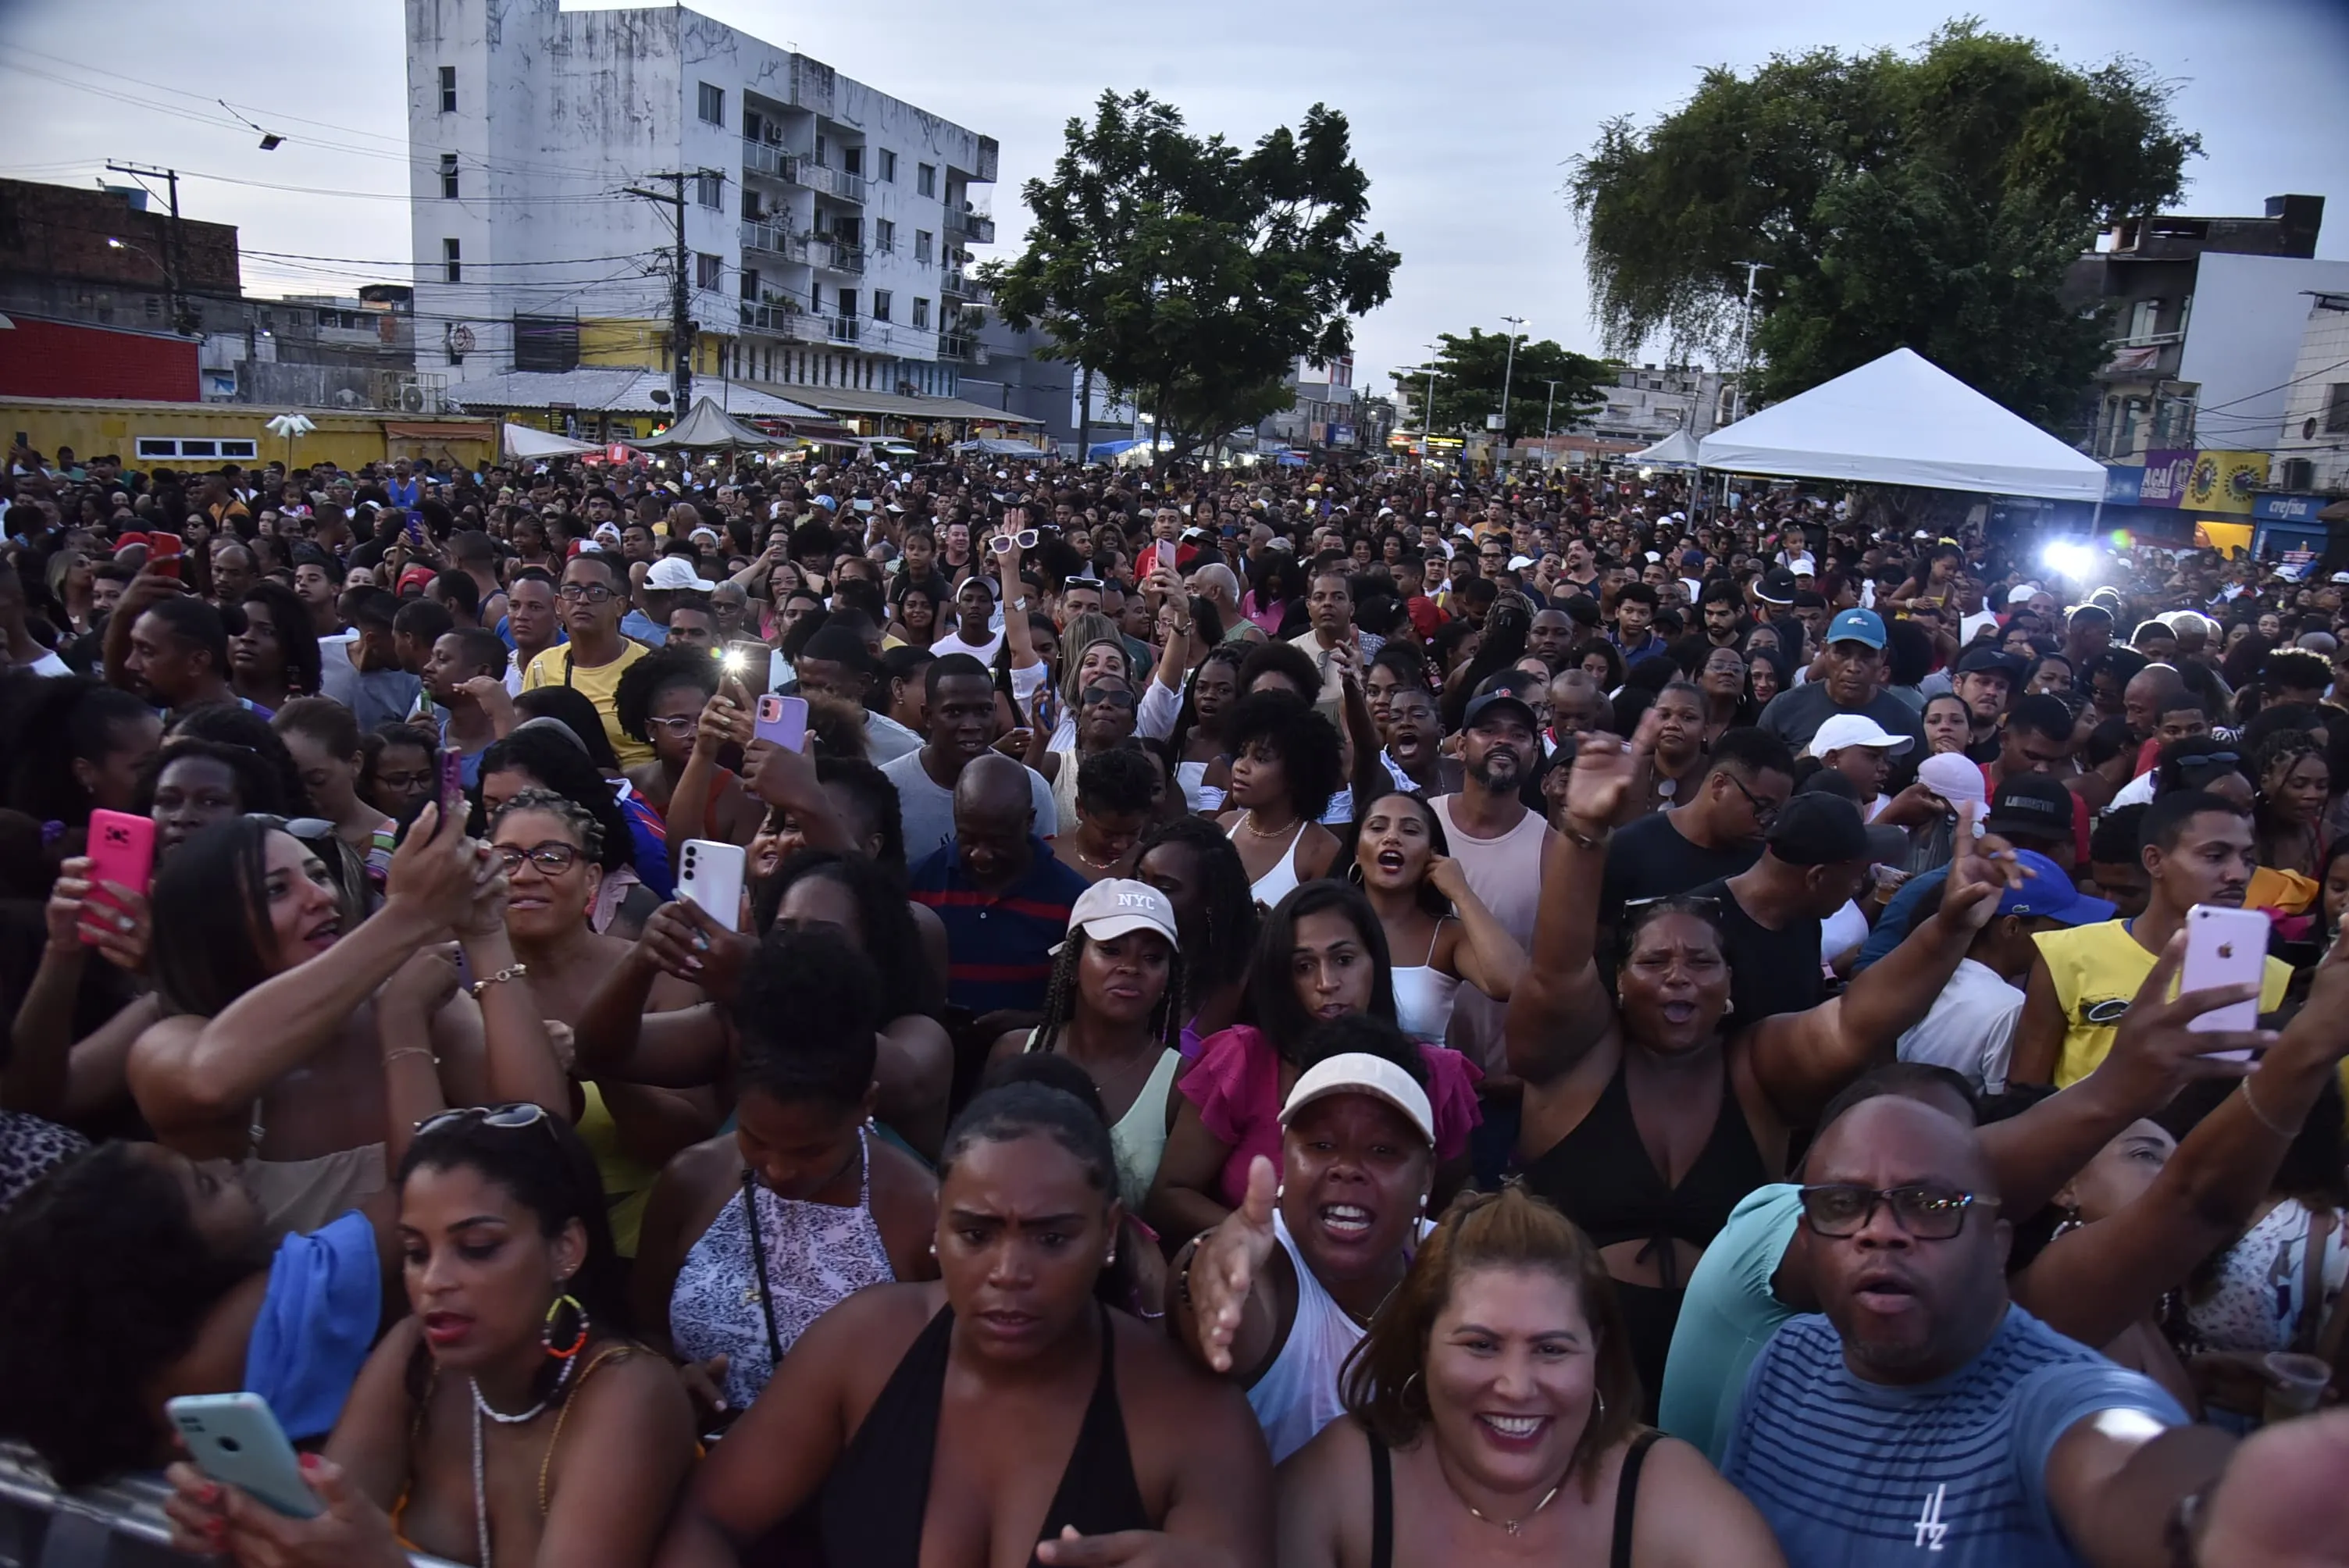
{"x": 1951, "y": 1473}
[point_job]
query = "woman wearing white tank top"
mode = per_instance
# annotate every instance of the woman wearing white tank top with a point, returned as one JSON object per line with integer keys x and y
{"x": 1426, "y": 906}
{"x": 1286, "y": 764}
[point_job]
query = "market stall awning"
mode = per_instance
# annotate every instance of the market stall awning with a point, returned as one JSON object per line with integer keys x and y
{"x": 705, "y": 428}
{"x": 895, "y": 406}
{"x": 987, "y": 446}
{"x": 614, "y": 389}
{"x": 1677, "y": 451}
{"x": 1904, "y": 420}
{"x": 521, "y": 441}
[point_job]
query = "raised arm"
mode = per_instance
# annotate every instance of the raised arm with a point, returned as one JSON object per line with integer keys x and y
{"x": 2039, "y": 1033}
{"x": 1483, "y": 953}
{"x": 1559, "y": 1009}
{"x": 1018, "y": 635}
{"x": 1802, "y": 1059}
{"x": 2097, "y": 1280}
{"x": 1222, "y": 1310}
{"x": 44, "y": 1071}
{"x": 205, "y": 1072}
{"x": 614, "y": 1036}
{"x": 724, "y": 717}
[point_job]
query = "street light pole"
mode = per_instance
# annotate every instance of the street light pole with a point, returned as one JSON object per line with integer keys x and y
{"x": 1550, "y": 411}
{"x": 1508, "y": 367}
{"x": 1745, "y": 334}
{"x": 1427, "y": 413}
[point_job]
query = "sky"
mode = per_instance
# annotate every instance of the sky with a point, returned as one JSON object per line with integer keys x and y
{"x": 1465, "y": 117}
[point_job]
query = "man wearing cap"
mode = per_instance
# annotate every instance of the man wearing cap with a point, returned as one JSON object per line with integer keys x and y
{"x": 2030, "y": 811}
{"x": 1986, "y": 680}
{"x": 1854, "y": 682}
{"x": 1497, "y": 843}
{"x": 1773, "y": 594}
{"x": 2197, "y": 848}
{"x": 1815, "y": 859}
{"x": 593, "y": 594}
{"x": 655, "y": 593}
{"x": 1970, "y": 1029}
{"x": 1862, "y": 750}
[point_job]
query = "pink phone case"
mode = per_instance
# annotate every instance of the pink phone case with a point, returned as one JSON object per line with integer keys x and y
{"x": 121, "y": 849}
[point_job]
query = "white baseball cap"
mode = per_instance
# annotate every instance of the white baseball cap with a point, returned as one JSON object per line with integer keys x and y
{"x": 671, "y": 573}
{"x": 1359, "y": 1072}
{"x": 1843, "y": 729}
{"x": 1117, "y": 906}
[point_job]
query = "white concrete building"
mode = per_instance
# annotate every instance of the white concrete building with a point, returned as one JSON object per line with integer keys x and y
{"x": 2243, "y": 329}
{"x": 1649, "y": 402}
{"x": 1323, "y": 412}
{"x": 2312, "y": 451}
{"x": 827, "y": 224}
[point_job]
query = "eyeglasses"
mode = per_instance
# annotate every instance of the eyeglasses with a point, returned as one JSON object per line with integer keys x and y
{"x": 514, "y": 1113}
{"x": 1003, "y": 542}
{"x": 683, "y": 723}
{"x": 1928, "y": 1214}
{"x": 1765, "y": 813}
{"x": 1115, "y": 696}
{"x": 551, "y": 857}
{"x": 592, "y": 592}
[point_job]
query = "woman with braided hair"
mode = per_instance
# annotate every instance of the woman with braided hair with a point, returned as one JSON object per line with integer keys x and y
{"x": 1115, "y": 1007}
{"x": 2294, "y": 783}
{"x": 1201, "y": 875}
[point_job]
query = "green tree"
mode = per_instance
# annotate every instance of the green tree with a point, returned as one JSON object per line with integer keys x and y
{"x": 1193, "y": 273}
{"x": 1934, "y": 199}
{"x": 1469, "y": 372}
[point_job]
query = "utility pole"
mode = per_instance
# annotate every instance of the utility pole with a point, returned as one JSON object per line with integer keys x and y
{"x": 1508, "y": 367}
{"x": 1427, "y": 414}
{"x": 173, "y": 263}
{"x": 681, "y": 329}
{"x": 1084, "y": 419}
{"x": 1744, "y": 335}
{"x": 1549, "y": 413}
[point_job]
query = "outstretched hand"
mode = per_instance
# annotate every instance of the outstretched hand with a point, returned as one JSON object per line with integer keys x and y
{"x": 1599, "y": 789}
{"x": 1225, "y": 1266}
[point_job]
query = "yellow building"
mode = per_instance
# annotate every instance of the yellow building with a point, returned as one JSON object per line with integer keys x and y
{"x": 206, "y": 435}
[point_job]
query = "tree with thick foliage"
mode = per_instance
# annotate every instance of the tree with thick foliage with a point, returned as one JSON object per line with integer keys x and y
{"x": 1934, "y": 199}
{"x": 1470, "y": 373}
{"x": 1193, "y": 273}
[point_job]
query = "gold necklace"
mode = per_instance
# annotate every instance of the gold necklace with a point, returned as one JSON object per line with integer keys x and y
{"x": 1247, "y": 821}
{"x": 1513, "y": 1526}
{"x": 1097, "y": 865}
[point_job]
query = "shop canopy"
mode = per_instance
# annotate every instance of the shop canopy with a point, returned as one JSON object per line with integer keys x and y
{"x": 1904, "y": 420}
{"x": 521, "y": 441}
{"x": 707, "y": 427}
{"x": 990, "y": 447}
{"x": 1677, "y": 451}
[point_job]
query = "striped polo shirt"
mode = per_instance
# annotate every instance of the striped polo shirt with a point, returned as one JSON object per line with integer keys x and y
{"x": 1951, "y": 1473}
{"x": 999, "y": 944}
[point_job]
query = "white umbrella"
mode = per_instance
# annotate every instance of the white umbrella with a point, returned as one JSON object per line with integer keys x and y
{"x": 290, "y": 426}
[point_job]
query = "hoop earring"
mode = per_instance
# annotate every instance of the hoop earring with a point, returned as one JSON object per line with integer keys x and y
{"x": 546, "y": 1333}
{"x": 1402, "y": 1394}
{"x": 1354, "y": 874}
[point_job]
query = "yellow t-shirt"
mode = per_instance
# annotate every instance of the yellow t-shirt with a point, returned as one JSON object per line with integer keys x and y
{"x": 599, "y": 685}
{"x": 2103, "y": 963}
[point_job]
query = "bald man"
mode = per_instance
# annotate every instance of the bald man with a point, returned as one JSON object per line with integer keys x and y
{"x": 1002, "y": 897}
{"x": 1921, "y": 1404}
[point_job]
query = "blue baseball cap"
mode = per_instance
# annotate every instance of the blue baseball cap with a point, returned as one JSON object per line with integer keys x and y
{"x": 2047, "y": 894}
{"x": 1858, "y": 627}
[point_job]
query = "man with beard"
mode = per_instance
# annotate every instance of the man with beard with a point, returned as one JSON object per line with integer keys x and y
{"x": 1924, "y": 1412}
{"x": 962, "y": 726}
{"x": 1497, "y": 843}
{"x": 1002, "y": 897}
{"x": 178, "y": 655}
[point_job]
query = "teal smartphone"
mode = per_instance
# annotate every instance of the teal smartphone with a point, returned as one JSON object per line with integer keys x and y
{"x": 235, "y": 1437}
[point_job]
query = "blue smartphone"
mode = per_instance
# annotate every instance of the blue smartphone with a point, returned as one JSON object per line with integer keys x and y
{"x": 235, "y": 1437}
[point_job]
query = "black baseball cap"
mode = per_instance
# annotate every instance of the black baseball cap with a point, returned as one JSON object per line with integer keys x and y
{"x": 2031, "y": 805}
{"x": 1777, "y": 587}
{"x": 1819, "y": 829}
{"x": 1502, "y": 700}
{"x": 1989, "y": 661}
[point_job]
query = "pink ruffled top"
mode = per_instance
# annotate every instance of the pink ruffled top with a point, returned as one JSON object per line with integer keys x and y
{"x": 1235, "y": 1084}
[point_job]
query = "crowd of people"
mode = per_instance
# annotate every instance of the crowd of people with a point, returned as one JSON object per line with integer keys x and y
{"x": 1360, "y": 1016}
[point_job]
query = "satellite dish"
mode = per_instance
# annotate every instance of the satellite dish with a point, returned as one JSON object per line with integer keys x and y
{"x": 660, "y": 396}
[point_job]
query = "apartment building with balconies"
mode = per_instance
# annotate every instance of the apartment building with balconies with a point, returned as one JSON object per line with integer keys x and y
{"x": 828, "y": 227}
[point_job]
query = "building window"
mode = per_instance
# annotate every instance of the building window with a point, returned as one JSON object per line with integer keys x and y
{"x": 449, "y": 177}
{"x": 192, "y": 447}
{"x": 880, "y": 304}
{"x": 709, "y": 187}
{"x": 921, "y": 315}
{"x": 452, "y": 267}
{"x": 884, "y": 236}
{"x": 713, "y": 105}
{"x": 750, "y": 284}
{"x": 922, "y": 246}
{"x": 709, "y": 271}
{"x": 925, "y": 180}
{"x": 852, "y": 160}
{"x": 448, "y": 89}
{"x": 2336, "y": 408}
{"x": 848, "y": 302}
{"x": 887, "y": 167}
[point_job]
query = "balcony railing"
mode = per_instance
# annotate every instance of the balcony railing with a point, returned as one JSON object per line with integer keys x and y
{"x": 976, "y": 227}
{"x": 835, "y": 182}
{"x": 846, "y": 328}
{"x": 840, "y": 256}
{"x": 775, "y": 239}
{"x": 784, "y": 321}
{"x": 765, "y": 158}
{"x": 957, "y": 284}
{"x": 962, "y": 350}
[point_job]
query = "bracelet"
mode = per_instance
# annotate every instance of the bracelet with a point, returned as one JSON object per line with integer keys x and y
{"x": 2244, "y": 1088}
{"x": 1190, "y": 1255}
{"x": 511, "y": 972}
{"x": 1580, "y": 839}
{"x": 391, "y": 1056}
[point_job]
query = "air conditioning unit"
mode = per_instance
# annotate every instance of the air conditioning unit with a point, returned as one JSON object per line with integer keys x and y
{"x": 414, "y": 399}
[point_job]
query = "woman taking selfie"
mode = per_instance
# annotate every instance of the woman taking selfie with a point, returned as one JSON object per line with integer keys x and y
{"x": 892, "y": 1420}
{"x": 1492, "y": 1417}
{"x": 508, "y": 1419}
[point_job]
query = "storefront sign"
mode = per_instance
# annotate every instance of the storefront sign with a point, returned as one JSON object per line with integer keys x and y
{"x": 2287, "y": 508}
{"x": 2225, "y": 482}
{"x": 2166, "y": 475}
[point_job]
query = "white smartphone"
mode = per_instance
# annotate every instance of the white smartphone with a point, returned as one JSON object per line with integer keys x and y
{"x": 235, "y": 1437}
{"x": 709, "y": 877}
{"x": 2225, "y": 947}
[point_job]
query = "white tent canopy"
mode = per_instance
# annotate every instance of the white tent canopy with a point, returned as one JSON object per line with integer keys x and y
{"x": 709, "y": 427}
{"x": 1904, "y": 420}
{"x": 1677, "y": 449}
{"x": 521, "y": 441}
